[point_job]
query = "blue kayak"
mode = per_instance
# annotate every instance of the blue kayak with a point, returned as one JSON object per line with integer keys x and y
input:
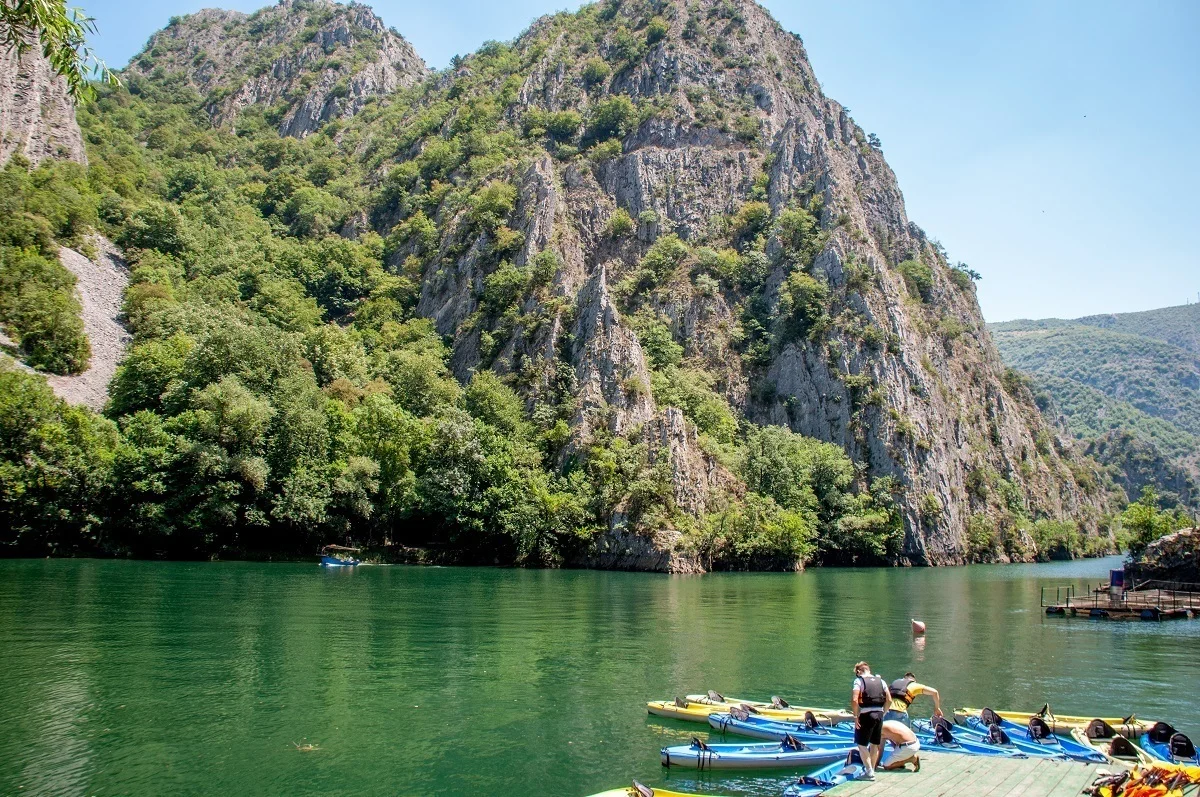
{"x": 826, "y": 778}
{"x": 1038, "y": 745}
{"x": 931, "y": 738}
{"x": 937, "y": 735}
{"x": 1167, "y": 744}
{"x": 794, "y": 754}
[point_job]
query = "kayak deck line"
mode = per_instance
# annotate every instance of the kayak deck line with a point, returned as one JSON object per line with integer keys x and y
{"x": 970, "y": 776}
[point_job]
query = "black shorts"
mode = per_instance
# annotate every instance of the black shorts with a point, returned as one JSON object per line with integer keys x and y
{"x": 870, "y": 728}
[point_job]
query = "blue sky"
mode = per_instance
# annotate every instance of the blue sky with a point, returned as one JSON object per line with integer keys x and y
{"x": 1050, "y": 145}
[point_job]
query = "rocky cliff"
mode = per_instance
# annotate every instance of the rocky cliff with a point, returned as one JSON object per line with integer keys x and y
{"x": 648, "y": 220}
{"x": 37, "y": 118}
{"x": 892, "y": 362}
{"x": 306, "y": 62}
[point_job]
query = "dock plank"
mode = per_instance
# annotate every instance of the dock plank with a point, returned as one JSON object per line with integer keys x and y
{"x": 949, "y": 775}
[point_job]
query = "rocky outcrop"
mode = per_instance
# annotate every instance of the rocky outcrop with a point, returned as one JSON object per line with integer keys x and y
{"x": 1135, "y": 463}
{"x": 308, "y": 62}
{"x": 37, "y": 117}
{"x": 905, "y": 376}
{"x": 1174, "y": 557}
{"x": 101, "y": 282}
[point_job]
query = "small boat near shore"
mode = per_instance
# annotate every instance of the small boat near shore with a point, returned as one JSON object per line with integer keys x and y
{"x": 339, "y": 556}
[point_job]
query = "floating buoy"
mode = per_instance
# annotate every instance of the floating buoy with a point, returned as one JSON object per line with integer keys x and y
{"x": 918, "y": 627}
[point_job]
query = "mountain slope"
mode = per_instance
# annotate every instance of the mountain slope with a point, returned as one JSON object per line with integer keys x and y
{"x": 1134, "y": 397}
{"x": 1179, "y": 325}
{"x": 628, "y": 291}
{"x": 305, "y": 62}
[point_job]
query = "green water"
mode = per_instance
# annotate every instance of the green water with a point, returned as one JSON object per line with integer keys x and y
{"x": 151, "y": 678}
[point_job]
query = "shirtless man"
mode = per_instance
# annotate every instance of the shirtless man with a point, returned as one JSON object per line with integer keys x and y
{"x": 905, "y": 746}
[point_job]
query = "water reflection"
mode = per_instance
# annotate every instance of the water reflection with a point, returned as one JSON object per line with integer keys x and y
{"x": 150, "y": 678}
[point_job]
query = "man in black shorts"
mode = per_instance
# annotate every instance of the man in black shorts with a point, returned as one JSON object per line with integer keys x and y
{"x": 868, "y": 699}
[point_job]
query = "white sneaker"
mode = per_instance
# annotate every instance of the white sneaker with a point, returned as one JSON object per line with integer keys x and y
{"x": 869, "y": 775}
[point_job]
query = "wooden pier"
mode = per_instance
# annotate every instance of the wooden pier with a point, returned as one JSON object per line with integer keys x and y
{"x": 950, "y": 775}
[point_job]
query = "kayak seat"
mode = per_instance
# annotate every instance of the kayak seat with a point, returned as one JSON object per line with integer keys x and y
{"x": 643, "y": 790}
{"x": 996, "y": 735}
{"x": 1099, "y": 729}
{"x": 1039, "y": 730}
{"x": 1120, "y": 747}
{"x": 941, "y": 731}
{"x": 739, "y": 713}
{"x": 1161, "y": 733}
{"x": 779, "y": 702}
{"x": 792, "y": 743}
{"x": 1181, "y": 746}
{"x": 716, "y": 697}
{"x": 989, "y": 717}
{"x": 680, "y": 703}
{"x": 699, "y": 745}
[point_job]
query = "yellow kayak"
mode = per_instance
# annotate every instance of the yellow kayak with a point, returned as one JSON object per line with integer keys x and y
{"x": 1062, "y": 723}
{"x": 638, "y": 790}
{"x": 776, "y": 709}
{"x": 693, "y": 711}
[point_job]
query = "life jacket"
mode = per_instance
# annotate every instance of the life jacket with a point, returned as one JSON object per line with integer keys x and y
{"x": 899, "y": 688}
{"x": 873, "y": 693}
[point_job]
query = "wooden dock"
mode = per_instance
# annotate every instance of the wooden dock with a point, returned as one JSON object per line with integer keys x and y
{"x": 949, "y": 775}
{"x": 1147, "y": 602}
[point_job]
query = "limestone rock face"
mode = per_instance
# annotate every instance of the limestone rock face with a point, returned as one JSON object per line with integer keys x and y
{"x": 37, "y": 117}
{"x": 309, "y": 62}
{"x": 924, "y": 401}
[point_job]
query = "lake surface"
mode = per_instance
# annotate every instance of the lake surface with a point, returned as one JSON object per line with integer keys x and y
{"x": 149, "y": 678}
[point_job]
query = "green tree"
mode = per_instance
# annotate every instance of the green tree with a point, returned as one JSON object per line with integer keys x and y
{"x": 62, "y": 33}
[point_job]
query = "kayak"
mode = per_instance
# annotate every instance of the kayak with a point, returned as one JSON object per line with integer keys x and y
{"x": 937, "y": 737}
{"x": 760, "y": 727}
{"x": 930, "y": 738}
{"x": 1036, "y": 741}
{"x": 1061, "y": 723}
{"x": 827, "y": 777}
{"x": 638, "y": 790}
{"x": 1167, "y": 744}
{"x": 1116, "y": 749}
{"x": 699, "y": 755}
{"x": 693, "y": 711}
{"x": 777, "y": 708}
{"x": 683, "y": 709}
{"x": 978, "y": 731}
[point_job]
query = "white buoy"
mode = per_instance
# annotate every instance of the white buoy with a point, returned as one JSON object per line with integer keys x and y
{"x": 918, "y": 627}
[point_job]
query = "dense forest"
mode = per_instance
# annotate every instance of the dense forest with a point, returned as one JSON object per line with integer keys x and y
{"x": 298, "y": 376}
{"x": 1127, "y": 386}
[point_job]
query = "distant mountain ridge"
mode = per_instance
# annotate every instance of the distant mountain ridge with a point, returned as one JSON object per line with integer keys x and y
{"x": 1127, "y": 383}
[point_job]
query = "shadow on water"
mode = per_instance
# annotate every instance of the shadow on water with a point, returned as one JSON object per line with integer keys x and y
{"x": 149, "y": 678}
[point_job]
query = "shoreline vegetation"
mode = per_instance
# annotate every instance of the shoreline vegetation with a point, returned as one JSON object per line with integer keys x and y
{"x": 378, "y": 330}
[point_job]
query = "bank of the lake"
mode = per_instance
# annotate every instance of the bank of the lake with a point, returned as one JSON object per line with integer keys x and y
{"x": 195, "y": 678}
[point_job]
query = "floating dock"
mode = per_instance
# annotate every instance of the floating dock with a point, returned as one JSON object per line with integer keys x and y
{"x": 949, "y": 775}
{"x": 1147, "y": 601}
